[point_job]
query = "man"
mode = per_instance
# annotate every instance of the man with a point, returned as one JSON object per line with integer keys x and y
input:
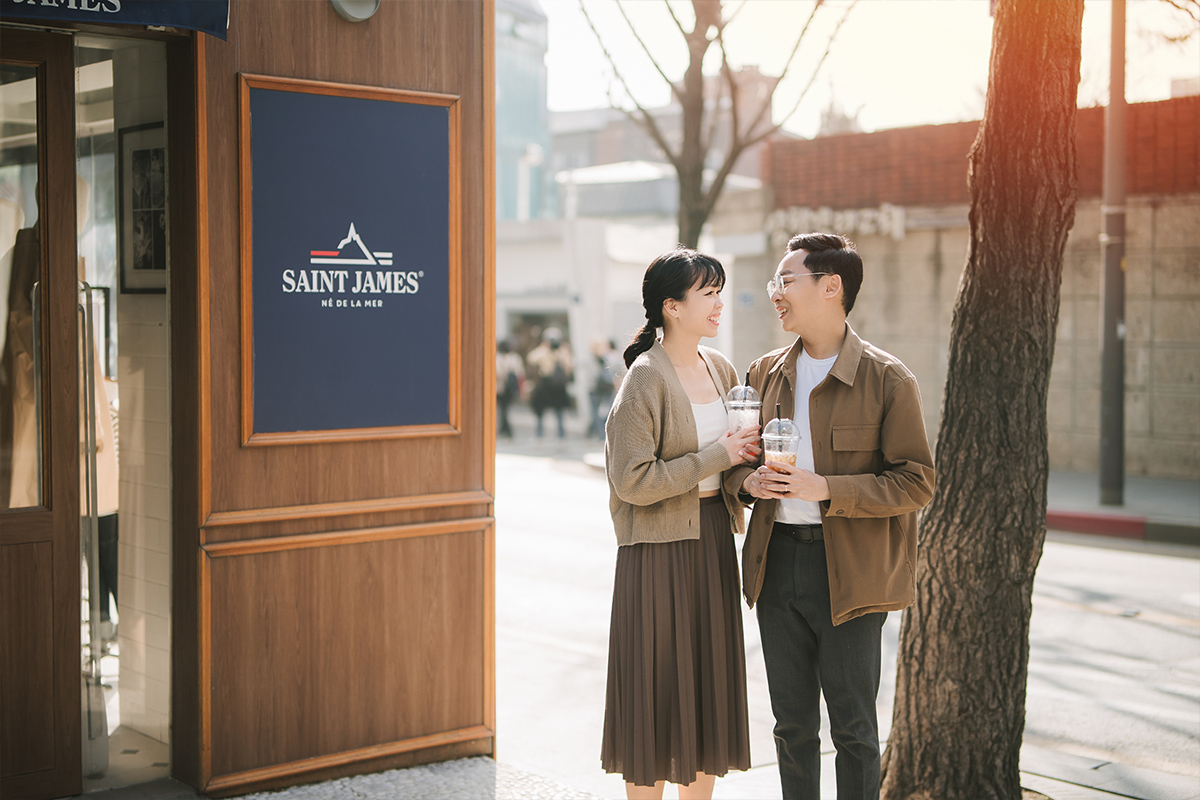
{"x": 832, "y": 541}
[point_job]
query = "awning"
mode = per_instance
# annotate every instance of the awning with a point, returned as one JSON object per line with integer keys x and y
{"x": 206, "y": 16}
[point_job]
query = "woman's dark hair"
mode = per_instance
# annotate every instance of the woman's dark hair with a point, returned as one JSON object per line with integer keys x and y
{"x": 670, "y": 276}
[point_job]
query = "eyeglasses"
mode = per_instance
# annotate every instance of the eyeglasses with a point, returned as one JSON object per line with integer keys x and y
{"x": 781, "y": 283}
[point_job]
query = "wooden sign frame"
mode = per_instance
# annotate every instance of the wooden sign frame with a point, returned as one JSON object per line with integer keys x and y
{"x": 247, "y": 82}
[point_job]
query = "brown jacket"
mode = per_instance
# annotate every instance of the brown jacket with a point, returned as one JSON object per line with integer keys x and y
{"x": 652, "y": 455}
{"x": 869, "y": 442}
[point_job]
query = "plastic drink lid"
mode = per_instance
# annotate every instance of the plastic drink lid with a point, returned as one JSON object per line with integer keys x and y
{"x": 783, "y": 428}
{"x": 743, "y": 397}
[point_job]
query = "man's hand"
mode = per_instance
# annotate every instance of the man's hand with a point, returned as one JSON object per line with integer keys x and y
{"x": 781, "y": 481}
{"x": 753, "y": 486}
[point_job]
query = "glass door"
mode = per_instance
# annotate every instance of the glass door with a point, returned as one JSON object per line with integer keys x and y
{"x": 121, "y": 225}
{"x": 40, "y": 679}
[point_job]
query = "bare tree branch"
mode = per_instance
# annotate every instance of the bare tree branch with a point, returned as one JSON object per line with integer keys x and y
{"x": 701, "y": 115}
{"x": 736, "y": 11}
{"x": 1189, "y": 7}
{"x": 644, "y": 118}
{"x": 1192, "y": 9}
{"x": 728, "y": 80}
{"x": 787, "y": 65}
{"x": 804, "y": 93}
{"x": 739, "y": 145}
{"x": 674, "y": 89}
{"x": 714, "y": 118}
{"x": 678, "y": 24}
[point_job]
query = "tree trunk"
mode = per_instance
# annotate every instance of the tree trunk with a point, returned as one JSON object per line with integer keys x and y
{"x": 689, "y": 168}
{"x": 964, "y": 647}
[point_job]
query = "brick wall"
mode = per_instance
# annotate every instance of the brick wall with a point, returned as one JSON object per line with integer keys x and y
{"x": 927, "y": 165}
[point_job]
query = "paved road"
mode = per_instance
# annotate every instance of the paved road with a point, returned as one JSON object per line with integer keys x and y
{"x": 1114, "y": 671}
{"x": 1114, "y": 689}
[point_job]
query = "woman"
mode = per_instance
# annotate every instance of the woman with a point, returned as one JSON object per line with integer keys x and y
{"x": 676, "y": 702}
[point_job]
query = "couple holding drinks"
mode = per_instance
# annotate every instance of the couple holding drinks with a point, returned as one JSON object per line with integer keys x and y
{"x": 830, "y": 547}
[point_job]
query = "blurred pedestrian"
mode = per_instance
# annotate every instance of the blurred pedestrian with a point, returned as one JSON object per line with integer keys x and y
{"x": 510, "y": 375}
{"x": 604, "y": 387}
{"x": 675, "y": 708}
{"x": 550, "y": 366}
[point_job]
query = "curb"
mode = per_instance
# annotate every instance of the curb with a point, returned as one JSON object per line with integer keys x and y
{"x": 1124, "y": 527}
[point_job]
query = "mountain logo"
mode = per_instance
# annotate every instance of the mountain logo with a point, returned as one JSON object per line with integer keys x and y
{"x": 368, "y": 258}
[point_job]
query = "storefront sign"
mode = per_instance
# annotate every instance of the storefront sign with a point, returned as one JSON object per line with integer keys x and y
{"x": 206, "y": 16}
{"x": 887, "y": 220}
{"x": 350, "y": 252}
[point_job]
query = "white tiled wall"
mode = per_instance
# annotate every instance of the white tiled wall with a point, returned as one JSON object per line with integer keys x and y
{"x": 139, "y": 97}
{"x": 145, "y": 515}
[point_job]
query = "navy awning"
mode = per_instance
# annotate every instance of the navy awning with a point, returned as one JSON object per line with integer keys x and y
{"x": 206, "y": 16}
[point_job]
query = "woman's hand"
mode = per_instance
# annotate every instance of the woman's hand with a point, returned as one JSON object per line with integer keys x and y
{"x": 741, "y": 445}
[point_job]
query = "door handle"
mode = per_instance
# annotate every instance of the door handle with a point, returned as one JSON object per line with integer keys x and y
{"x": 35, "y": 303}
{"x": 91, "y": 486}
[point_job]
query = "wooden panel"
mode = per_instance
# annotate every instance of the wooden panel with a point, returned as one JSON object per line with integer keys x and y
{"x": 26, "y": 615}
{"x": 351, "y": 508}
{"x": 239, "y": 782}
{"x": 333, "y": 599}
{"x": 335, "y": 649}
{"x": 245, "y": 525}
{"x": 424, "y": 47}
{"x": 245, "y": 547}
{"x": 333, "y": 768}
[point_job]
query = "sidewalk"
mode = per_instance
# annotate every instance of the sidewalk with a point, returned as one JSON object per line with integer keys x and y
{"x": 1155, "y": 509}
{"x": 540, "y": 660}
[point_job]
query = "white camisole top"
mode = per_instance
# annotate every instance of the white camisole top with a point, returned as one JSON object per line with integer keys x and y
{"x": 711, "y": 423}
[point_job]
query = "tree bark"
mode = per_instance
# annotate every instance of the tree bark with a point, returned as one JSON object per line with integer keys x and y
{"x": 689, "y": 168}
{"x": 959, "y": 713}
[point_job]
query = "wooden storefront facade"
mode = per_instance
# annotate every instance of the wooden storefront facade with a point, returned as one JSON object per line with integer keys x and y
{"x": 331, "y": 594}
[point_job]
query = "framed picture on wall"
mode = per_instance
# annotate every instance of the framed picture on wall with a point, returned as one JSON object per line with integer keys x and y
{"x": 142, "y": 208}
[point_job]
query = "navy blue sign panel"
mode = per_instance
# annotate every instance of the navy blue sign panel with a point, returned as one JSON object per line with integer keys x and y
{"x": 351, "y": 275}
{"x": 206, "y": 16}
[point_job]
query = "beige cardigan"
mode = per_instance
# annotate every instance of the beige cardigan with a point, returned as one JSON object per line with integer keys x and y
{"x": 651, "y": 456}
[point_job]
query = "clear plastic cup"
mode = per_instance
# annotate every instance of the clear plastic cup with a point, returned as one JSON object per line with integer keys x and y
{"x": 781, "y": 439}
{"x": 744, "y": 407}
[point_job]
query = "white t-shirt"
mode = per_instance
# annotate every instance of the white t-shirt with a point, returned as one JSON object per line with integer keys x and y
{"x": 711, "y": 423}
{"x": 809, "y": 373}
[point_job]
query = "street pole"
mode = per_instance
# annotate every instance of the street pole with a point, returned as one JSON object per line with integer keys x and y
{"x": 1112, "y": 246}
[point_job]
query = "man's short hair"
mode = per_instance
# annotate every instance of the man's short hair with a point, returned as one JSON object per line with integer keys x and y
{"x": 832, "y": 252}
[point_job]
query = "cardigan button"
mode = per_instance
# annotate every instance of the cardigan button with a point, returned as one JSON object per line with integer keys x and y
{"x": 759, "y": 559}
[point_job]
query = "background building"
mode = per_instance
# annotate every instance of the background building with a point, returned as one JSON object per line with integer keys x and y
{"x": 524, "y": 185}
{"x": 902, "y": 196}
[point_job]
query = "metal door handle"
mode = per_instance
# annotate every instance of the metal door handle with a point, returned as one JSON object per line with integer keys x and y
{"x": 87, "y": 358}
{"x": 35, "y": 302}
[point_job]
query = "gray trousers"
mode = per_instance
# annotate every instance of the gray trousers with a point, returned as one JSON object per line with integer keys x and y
{"x": 806, "y": 655}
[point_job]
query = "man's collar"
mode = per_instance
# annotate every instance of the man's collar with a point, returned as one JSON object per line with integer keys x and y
{"x": 846, "y": 366}
{"x": 844, "y": 369}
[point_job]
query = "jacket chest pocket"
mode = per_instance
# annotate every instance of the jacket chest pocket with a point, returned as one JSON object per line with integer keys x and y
{"x": 856, "y": 449}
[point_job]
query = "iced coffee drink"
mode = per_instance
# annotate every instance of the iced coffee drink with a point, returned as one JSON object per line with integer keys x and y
{"x": 780, "y": 456}
{"x": 780, "y": 439}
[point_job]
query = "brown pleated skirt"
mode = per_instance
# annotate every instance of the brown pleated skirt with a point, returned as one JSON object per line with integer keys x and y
{"x": 676, "y": 701}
